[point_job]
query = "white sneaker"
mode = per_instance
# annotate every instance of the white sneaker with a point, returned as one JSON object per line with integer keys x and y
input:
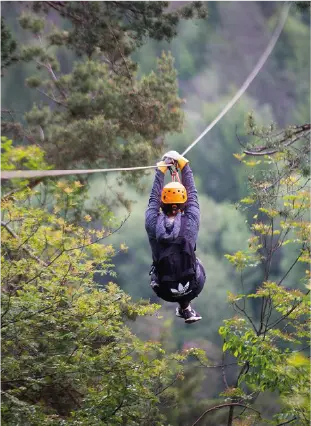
{"x": 188, "y": 314}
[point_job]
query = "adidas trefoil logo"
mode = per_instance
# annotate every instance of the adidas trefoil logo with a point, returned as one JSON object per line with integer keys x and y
{"x": 181, "y": 289}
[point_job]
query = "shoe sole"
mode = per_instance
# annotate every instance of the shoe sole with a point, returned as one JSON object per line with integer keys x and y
{"x": 193, "y": 319}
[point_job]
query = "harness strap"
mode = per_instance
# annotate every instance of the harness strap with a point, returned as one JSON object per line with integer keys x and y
{"x": 182, "y": 226}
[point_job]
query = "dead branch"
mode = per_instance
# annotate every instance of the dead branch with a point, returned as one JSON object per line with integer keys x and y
{"x": 301, "y": 132}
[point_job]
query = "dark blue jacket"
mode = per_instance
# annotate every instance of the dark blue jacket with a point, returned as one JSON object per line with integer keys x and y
{"x": 191, "y": 212}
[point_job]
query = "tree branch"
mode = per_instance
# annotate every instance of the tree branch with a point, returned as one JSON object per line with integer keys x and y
{"x": 30, "y": 185}
{"x": 288, "y": 421}
{"x": 271, "y": 326}
{"x": 231, "y": 404}
{"x": 25, "y": 248}
{"x": 50, "y": 97}
{"x": 301, "y": 132}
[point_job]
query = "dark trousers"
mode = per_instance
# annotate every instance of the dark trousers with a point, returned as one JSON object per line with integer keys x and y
{"x": 165, "y": 294}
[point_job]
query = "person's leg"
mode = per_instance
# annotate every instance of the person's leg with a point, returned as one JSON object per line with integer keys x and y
{"x": 188, "y": 314}
{"x": 201, "y": 275}
{"x": 184, "y": 305}
{"x": 185, "y": 310}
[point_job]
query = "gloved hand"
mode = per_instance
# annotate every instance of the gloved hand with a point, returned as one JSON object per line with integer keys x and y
{"x": 181, "y": 161}
{"x": 162, "y": 166}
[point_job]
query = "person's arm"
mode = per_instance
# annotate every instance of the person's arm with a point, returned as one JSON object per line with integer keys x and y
{"x": 154, "y": 203}
{"x": 192, "y": 208}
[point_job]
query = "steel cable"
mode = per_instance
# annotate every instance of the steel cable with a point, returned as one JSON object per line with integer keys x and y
{"x": 42, "y": 173}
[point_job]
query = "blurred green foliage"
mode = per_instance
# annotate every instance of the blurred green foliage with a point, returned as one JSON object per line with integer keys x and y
{"x": 212, "y": 59}
{"x": 270, "y": 341}
{"x": 68, "y": 355}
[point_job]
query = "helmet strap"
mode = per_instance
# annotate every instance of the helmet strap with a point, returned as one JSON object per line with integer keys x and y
{"x": 175, "y": 209}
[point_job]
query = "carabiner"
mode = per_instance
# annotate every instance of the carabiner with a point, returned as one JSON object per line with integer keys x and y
{"x": 174, "y": 174}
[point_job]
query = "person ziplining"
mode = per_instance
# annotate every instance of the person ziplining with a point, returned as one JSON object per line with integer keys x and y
{"x": 172, "y": 223}
{"x": 171, "y": 220}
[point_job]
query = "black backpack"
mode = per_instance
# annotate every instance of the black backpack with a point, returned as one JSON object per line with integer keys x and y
{"x": 175, "y": 265}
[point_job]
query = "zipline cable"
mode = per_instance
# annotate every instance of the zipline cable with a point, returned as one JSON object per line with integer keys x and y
{"x": 249, "y": 79}
{"x": 41, "y": 173}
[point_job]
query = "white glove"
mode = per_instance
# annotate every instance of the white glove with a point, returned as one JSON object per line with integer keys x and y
{"x": 182, "y": 161}
{"x": 172, "y": 154}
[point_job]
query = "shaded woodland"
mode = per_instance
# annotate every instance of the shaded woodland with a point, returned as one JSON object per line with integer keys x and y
{"x": 116, "y": 84}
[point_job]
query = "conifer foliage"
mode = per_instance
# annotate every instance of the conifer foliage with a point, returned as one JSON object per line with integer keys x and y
{"x": 8, "y": 47}
{"x": 128, "y": 23}
{"x": 303, "y": 5}
{"x": 102, "y": 102}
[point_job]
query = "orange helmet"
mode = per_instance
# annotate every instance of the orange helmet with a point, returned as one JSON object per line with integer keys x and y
{"x": 174, "y": 193}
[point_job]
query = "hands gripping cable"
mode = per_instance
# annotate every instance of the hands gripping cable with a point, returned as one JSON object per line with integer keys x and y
{"x": 174, "y": 193}
{"x": 171, "y": 160}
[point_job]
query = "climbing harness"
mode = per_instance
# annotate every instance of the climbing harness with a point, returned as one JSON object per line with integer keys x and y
{"x": 41, "y": 173}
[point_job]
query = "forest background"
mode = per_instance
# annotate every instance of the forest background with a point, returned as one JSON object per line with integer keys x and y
{"x": 212, "y": 56}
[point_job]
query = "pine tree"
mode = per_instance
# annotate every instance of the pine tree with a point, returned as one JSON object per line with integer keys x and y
{"x": 8, "y": 47}
{"x": 101, "y": 112}
{"x": 302, "y": 5}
